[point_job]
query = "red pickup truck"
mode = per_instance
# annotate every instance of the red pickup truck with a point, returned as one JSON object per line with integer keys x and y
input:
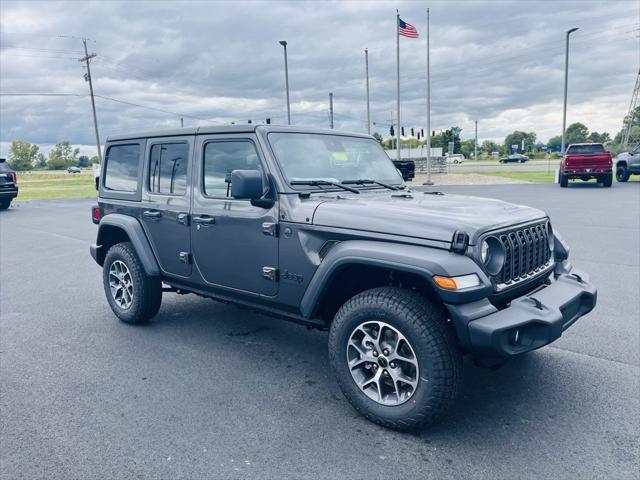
{"x": 586, "y": 161}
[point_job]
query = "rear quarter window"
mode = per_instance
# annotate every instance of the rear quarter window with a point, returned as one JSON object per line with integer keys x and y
{"x": 585, "y": 149}
{"x": 121, "y": 173}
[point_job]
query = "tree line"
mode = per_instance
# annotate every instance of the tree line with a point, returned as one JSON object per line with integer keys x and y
{"x": 27, "y": 156}
{"x": 576, "y": 133}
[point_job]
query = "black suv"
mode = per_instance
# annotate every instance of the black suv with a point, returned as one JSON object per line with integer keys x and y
{"x": 8, "y": 184}
{"x": 318, "y": 227}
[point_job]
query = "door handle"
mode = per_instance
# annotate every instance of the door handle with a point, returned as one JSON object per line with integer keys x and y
{"x": 152, "y": 214}
{"x": 204, "y": 220}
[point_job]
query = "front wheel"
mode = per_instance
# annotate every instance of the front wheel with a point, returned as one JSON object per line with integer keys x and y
{"x": 395, "y": 358}
{"x": 133, "y": 296}
{"x": 622, "y": 174}
{"x": 607, "y": 180}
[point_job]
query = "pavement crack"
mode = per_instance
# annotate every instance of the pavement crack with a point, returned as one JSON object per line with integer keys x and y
{"x": 593, "y": 356}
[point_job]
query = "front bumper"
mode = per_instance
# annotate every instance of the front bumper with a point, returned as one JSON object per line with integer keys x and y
{"x": 534, "y": 320}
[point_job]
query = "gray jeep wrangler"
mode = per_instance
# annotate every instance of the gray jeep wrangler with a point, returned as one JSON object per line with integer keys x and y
{"x": 318, "y": 227}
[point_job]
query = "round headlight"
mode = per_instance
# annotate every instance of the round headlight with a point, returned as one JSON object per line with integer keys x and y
{"x": 484, "y": 254}
{"x": 492, "y": 254}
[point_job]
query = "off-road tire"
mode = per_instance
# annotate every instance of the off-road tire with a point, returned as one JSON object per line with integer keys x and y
{"x": 5, "y": 204}
{"x": 433, "y": 340}
{"x": 564, "y": 180}
{"x": 622, "y": 174}
{"x": 607, "y": 180}
{"x": 147, "y": 291}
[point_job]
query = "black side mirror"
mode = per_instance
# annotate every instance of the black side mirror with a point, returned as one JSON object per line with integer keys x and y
{"x": 246, "y": 184}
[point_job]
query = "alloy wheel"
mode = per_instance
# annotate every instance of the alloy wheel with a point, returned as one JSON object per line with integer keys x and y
{"x": 121, "y": 284}
{"x": 382, "y": 363}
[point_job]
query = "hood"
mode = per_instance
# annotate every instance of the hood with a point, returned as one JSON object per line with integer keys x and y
{"x": 422, "y": 215}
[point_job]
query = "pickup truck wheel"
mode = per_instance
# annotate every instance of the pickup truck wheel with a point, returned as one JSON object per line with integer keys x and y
{"x": 4, "y": 204}
{"x": 395, "y": 358}
{"x": 622, "y": 174}
{"x": 564, "y": 180}
{"x": 607, "y": 180}
{"x": 132, "y": 295}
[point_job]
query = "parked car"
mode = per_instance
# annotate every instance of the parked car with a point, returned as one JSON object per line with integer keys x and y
{"x": 455, "y": 158}
{"x": 514, "y": 157}
{"x": 407, "y": 169}
{"x": 73, "y": 170}
{"x": 318, "y": 227}
{"x": 96, "y": 175}
{"x": 627, "y": 164}
{"x": 8, "y": 184}
{"x": 586, "y": 161}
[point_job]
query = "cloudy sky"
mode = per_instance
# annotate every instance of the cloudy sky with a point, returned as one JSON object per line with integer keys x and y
{"x": 500, "y": 62}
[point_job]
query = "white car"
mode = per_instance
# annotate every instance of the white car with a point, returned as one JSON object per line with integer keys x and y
{"x": 96, "y": 174}
{"x": 455, "y": 158}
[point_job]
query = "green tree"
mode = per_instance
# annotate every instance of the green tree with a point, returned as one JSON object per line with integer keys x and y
{"x": 467, "y": 148}
{"x": 555, "y": 142}
{"x": 23, "y": 155}
{"x": 378, "y": 137}
{"x": 94, "y": 159}
{"x": 83, "y": 161}
{"x": 517, "y": 137}
{"x": 489, "y": 146}
{"x": 596, "y": 137}
{"x": 41, "y": 161}
{"x": 63, "y": 155}
{"x": 576, "y": 133}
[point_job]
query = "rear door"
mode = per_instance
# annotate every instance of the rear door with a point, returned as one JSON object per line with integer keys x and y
{"x": 166, "y": 202}
{"x": 234, "y": 243}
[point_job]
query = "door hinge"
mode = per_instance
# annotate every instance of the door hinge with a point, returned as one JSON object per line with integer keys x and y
{"x": 185, "y": 257}
{"x": 270, "y": 273}
{"x": 270, "y": 229}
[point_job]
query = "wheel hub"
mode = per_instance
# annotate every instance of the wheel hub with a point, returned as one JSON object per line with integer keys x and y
{"x": 382, "y": 363}
{"x": 121, "y": 284}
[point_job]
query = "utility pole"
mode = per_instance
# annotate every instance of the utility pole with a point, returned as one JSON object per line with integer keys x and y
{"x": 331, "y": 109}
{"x": 475, "y": 146}
{"x": 181, "y": 122}
{"x": 87, "y": 59}
{"x": 366, "y": 69}
{"x": 566, "y": 81}
{"x": 286, "y": 80}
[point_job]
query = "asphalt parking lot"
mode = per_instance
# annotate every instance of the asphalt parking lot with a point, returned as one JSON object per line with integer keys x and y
{"x": 210, "y": 391}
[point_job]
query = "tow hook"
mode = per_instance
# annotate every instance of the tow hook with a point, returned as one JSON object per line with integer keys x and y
{"x": 577, "y": 277}
{"x": 537, "y": 303}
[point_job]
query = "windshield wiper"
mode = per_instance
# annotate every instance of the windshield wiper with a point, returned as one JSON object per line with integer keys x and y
{"x": 317, "y": 183}
{"x": 364, "y": 181}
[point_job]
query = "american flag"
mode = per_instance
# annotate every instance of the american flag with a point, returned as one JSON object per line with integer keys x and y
{"x": 406, "y": 29}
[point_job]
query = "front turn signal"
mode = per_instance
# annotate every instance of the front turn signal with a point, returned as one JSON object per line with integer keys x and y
{"x": 457, "y": 283}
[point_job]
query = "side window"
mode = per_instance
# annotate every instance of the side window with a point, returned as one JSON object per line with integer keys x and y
{"x": 168, "y": 168}
{"x": 221, "y": 158}
{"x": 121, "y": 172}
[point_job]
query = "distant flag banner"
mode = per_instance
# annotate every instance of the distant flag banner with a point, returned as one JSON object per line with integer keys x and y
{"x": 406, "y": 29}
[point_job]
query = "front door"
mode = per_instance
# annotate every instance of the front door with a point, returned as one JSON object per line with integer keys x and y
{"x": 234, "y": 243}
{"x": 166, "y": 202}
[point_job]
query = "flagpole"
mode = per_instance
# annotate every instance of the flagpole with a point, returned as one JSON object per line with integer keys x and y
{"x": 398, "y": 78}
{"x": 366, "y": 69}
{"x": 429, "y": 182}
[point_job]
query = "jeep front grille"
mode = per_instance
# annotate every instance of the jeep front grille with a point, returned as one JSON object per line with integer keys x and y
{"x": 527, "y": 253}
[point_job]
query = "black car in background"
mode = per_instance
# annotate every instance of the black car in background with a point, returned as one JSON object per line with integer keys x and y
{"x": 515, "y": 157}
{"x": 8, "y": 184}
{"x": 407, "y": 168}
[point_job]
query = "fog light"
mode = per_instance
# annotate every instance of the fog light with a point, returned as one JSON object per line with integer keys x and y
{"x": 457, "y": 283}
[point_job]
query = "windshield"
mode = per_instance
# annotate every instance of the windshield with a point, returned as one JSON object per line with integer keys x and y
{"x": 585, "y": 149}
{"x": 332, "y": 158}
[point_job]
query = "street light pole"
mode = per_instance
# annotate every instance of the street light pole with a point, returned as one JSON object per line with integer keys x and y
{"x": 566, "y": 82}
{"x": 366, "y": 70}
{"x": 286, "y": 79}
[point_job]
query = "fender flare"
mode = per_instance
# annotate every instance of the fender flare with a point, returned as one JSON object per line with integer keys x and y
{"x": 423, "y": 261}
{"x": 131, "y": 226}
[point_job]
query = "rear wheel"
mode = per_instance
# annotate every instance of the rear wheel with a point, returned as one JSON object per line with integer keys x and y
{"x": 133, "y": 296}
{"x": 564, "y": 180}
{"x": 4, "y": 204}
{"x": 607, "y": 180}
{"x": 622, "y": 174}
{"x": 395, "y": 358}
